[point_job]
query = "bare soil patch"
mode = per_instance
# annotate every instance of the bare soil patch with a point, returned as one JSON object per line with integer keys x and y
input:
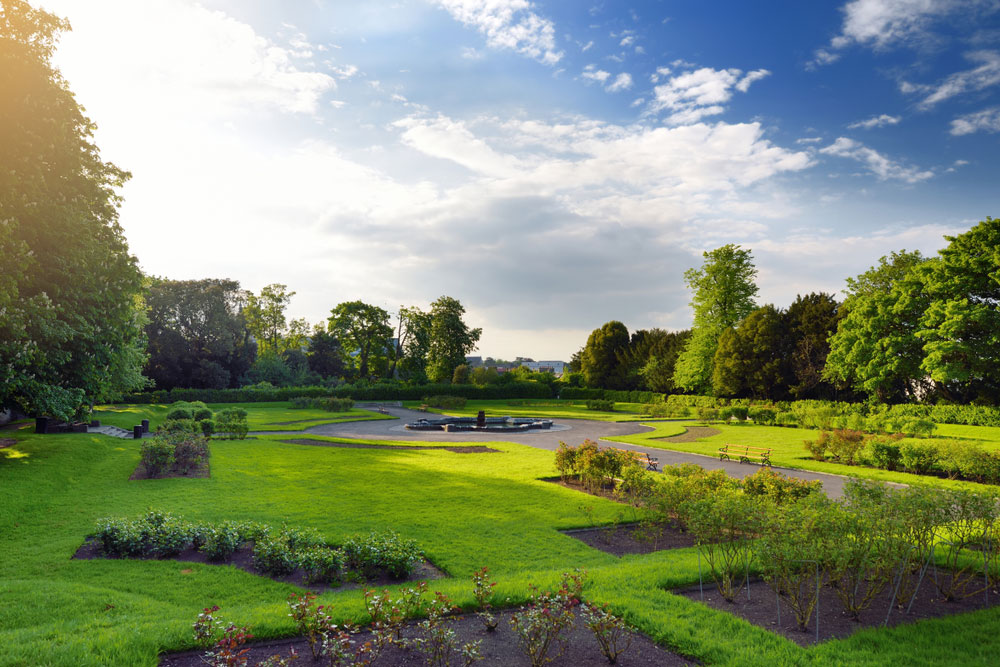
{"x": 243, "y": 559}
{"x": 633, "y": 538}
{"x": 7, "y": 442}
{"x": 201, "y": 471}
{"x": 693, "y": 433}
{"x": 762, "y": 609}
{"x": 469, "y": 449}
{"x": 499, "y": 647}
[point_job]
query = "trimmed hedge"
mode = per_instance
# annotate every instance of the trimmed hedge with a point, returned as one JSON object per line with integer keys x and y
{"x": 361, "y": 392}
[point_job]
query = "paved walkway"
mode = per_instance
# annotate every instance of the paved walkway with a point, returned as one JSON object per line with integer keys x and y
{"x": 572, "y": 431}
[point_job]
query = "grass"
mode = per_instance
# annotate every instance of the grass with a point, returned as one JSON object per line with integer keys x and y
{"x": 260, "y": 416}
{"x": 465, "y": 510}
{"x": 551, "y": 408}
{"x": 788, "y": 448}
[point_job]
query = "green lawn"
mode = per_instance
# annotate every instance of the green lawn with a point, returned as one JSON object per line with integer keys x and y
{"x": 465, "y": 510}
{"x": 260, "y": 416}
{"x": 550, "y": 408}
{"x": 788, "y": 447}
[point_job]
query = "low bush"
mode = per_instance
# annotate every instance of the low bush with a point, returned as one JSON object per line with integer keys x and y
{"x": 763, "y": 416}
{"x": 844, "y": 445}
{"x": 322, "y": 565}
{"x": 379, "y": 553}
{"x": 233, "y": 421}
{"x": 157, "y": 455}
{"x": 190, "y": 453}
{"x": 120, "y": 538}
{"x": 786, "y": 419}
{"x": 919, "y": 457}
{"x": 221, "y": 542}
{"x": 601, "y": 405}
{"x": 566, "y": 461}
{"x": 273, "y": 557}
{"x": 446, "y": 402}
{"x": 884, "y": 452}
{"x": 163, "y": 534}
{"x": 736, "y": 413}
{"x": 724, "y": 525}
{"x": 328, "y": 403}
{"x": 778, "y": 488}
{"x": 207, "y": 427}
{"x": 180, "y": 413}
{"x": 178, "y": 426}
{"x": 818, "y": 447}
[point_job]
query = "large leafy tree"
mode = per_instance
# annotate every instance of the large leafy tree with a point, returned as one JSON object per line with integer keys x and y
{"x": 197, "y": 334}
{"x": 450, "y": 339}
{"x": 651, "y": 357}
{"x": 413, "y": 341}
{"x": 752, "y": 359}
{"x": 600, "y": 360}
{"x": 326, "y": 356}
{"x": 811, "y": 320}
{"x": 364, "y": 332}
{"x": 265, "y": 316}
{"x": 960, "y": 329}
{"x": 876, "y": 349}
{"x": 723, "y": 292}
{"x": 71, "y": 328}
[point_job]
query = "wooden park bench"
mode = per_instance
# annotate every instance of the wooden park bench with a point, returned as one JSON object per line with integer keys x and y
{"x": 650, "y": 461}
{"x": 423, "y": 407}
{"x": 381, "y": 410}
{"x": 746, "y": 454}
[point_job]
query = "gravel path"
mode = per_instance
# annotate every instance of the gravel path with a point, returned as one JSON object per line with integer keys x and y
{"x": 571, "y": 431}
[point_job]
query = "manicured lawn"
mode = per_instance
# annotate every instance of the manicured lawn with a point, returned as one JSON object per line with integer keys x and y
{"x": 465, "y": 510}
{"x": 550, "y": 408}
{"x": 788, "y": 447}
{"x": 260, "y": 416}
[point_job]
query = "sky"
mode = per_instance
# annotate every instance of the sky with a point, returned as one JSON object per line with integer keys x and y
{"x": 552, "y": 164}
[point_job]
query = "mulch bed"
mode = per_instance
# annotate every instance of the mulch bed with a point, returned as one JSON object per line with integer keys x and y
{"x": 202, "y": 472}
{"x": 500, "y": 647}
{"x": 693, "y": 433}
{"x": 243, "y": 559}
{"x": 762, "y": 609}
{"x": 606, "y": 492}
{"x": 630, "y": 539}
{"x": 470, "y": 449}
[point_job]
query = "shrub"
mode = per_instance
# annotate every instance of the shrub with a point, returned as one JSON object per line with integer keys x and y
{"x": 251, "y": 531}
{"x": 723, "y": 526}
{"x": 273, "y": 557}
{"x": 221, "y": 542}
{"x": 163, "y": 534}
{"x": 120, "y": 538}
{"x": 601, "y": 405}
{"x": 884, "y": 452}
{"x": 190, "y": 452}
{"x": 566, "y": 460}
{"x": 613, "y": 634}
{"x": 336, "y": 404}
{"x": 777, "y": 487}
{"x": 201, "y": 414}
{"x": 301, "y": 403}
{"x": 322, "y": 565}
{"x": 446, "y": 402}
{"x": 207, "y": 427}
{"x": 301, "y": 538}
{"x": 920, "y": 428}
{"x": 157, "y": 455}
{"x": 919, "y": 457}
{"x": 818, "y": 446}
{"x": 179, "y": 413}
{"x": 844, "y": 445}
{"x": 957, "y": 457}
{"x": 736, "y": 413}
{"x": 764, "y": 416}
{"x": 661, "y": 410}
{"x": 482, "y": 589}
{"x": 382, "y": 552}
{"x": 707, "y": 414}
{"x": 786, "y": 419}
{"x": 177, "y": 426}
{"x": 234, "y": 422}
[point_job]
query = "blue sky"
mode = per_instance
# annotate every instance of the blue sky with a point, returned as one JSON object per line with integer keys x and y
{"x": 553, "y": 165}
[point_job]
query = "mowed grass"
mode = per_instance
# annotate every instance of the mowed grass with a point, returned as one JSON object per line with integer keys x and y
{"x": 465, "y": 510}
{"x": 550, "y": 408}
{"x": 788, "y": 447}
{"x": 260, "y": 416}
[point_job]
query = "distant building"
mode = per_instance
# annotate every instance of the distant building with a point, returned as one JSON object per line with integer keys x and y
{"x": 554, "y": 367}
{"x": 474, "y": 362}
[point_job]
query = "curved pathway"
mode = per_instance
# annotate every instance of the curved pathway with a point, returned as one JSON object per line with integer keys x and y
{"x": 574, "y": 431}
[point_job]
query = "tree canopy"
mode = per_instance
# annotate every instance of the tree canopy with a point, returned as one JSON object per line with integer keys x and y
{"x": 450, "y": 339}
{"x": 72, "y": 325}
{"x": 600, "y": 360}
{"x": 723, "y": 292}
{"x": 364, "y": 332}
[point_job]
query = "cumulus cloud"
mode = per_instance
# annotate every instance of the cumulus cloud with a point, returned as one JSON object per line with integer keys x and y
{"x": 985, "y": 75}
{"x": 878, "y": 164}
{"x": 622, "y": 82}
{"x": 987, "y": 120}
{"x": 881, "y": 24}
{"x": 875, "y": 121}
{"x": 694, "y": 94}
{"x": 591, "y": 73}
{"x": 509, "y": 24}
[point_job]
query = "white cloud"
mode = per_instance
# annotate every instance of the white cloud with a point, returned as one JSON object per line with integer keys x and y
{"x": 622, "y": 82}
{"x": 628, "y": 40}
{"x": 987, "y": 120}
{"x": 702, "y": 92}
{"x": 884, "y": 24}
{"x": 987, "y": 74}
{"x": 586, "y": 47}
{"x": 660, "y": 72}
{"x": 875, "y": 121}
{"x": 883, "y": 167}
{"x": 508, "y": 24}
{"x": 809, "y": 140}
{"x": 591, "y": 73}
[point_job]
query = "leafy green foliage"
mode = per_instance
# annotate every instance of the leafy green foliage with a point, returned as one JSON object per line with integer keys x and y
{"x": 233, "y": 421}
{"x": 752, "y": 359}
{"x": 599, "y": 360}
{"x": 445, "y": 402}
{"x": 450, "y": 339}
{"x": 157, "y": 455}
{"x": 723, "y": 291}
{"x": 265, "y": 316}
{"x": 601, "y": 405}
{"x": 382, "y": 552}
{"x": 363, "y": 329}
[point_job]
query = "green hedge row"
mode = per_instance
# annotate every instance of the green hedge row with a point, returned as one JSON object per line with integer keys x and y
{"x": 585, "y": 394}
{"x": 377, "y": 392}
